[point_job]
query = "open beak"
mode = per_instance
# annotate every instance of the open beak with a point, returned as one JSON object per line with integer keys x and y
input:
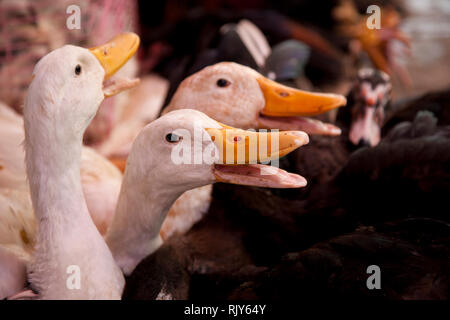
{"x": 285, "y": 108}
{"x": 242, "y": 151}
{"x": 112, "y": 56}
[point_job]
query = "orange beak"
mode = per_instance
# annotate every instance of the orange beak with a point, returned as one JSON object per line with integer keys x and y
{"x": 283, "y": 101}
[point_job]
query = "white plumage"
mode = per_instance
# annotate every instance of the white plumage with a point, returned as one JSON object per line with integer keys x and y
{"x": 65, "y": 93}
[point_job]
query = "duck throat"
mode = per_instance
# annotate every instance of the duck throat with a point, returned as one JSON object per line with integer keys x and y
{"x": 140, "y": 213}
{"x": 53, "y": 169}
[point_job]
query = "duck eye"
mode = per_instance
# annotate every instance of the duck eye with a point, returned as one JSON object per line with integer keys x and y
{"x": 78, "y": 69}
{"x": 223, "y": 83}
{"x": 173, "y": 138}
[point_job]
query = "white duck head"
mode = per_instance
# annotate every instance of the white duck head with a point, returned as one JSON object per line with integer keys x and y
{"x": 240, "y": 96}
{"x": 67, "y": 85}
{"x": 185, "y": 149}
{"x": 189, "y": 149}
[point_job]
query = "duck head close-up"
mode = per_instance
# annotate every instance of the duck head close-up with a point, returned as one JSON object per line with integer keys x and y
{"x": 79, "y": 80}
{"x": 238, "y": 95}
{"x": 195, "y": 146}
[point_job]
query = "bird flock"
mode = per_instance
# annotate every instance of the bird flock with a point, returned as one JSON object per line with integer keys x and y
{"x": 126, "y": 220}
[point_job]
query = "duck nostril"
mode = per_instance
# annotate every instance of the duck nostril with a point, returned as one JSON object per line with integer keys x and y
{"x": 284, "y": 94}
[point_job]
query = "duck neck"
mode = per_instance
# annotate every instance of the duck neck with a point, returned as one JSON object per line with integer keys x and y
{"x": 66, "y": 235}
{"x": 140, "y": 213}
{"x": 53, "y": 168}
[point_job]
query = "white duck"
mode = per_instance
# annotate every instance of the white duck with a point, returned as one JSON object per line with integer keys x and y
{"x": 62, "y": 99}
{"x": 155, "y": 175}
